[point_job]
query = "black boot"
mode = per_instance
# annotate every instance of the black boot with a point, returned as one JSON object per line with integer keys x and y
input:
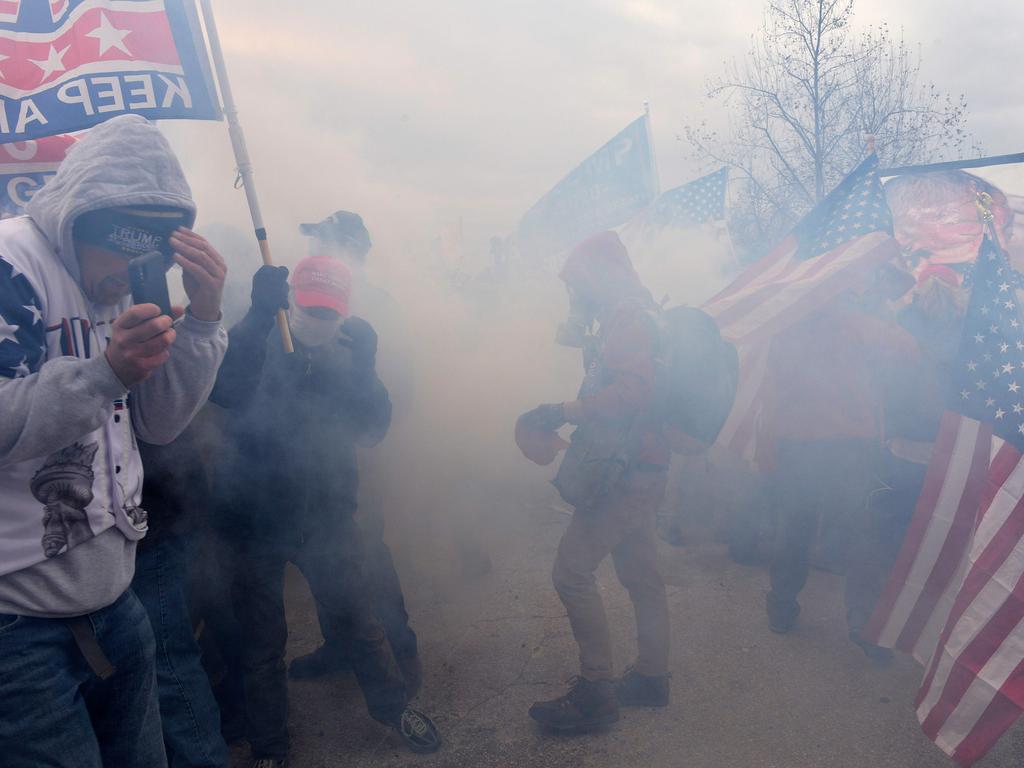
{"x": 587, "y": 705}
{"x": 325, "y": 660}
{"x": 878, "y": 655}
{"x": 636, "y": 690}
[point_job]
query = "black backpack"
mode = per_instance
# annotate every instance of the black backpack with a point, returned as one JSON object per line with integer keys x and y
{"x": 698, "y": 373}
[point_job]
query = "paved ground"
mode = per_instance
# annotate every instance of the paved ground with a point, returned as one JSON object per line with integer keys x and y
{"x": 742, "y": 697}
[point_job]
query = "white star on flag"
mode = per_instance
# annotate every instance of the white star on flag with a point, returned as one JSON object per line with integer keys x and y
{"x": 1014, "y": 387}
{"x": 7, "y": 331}
{"x": 1000, "y": 413}
{"x": 37, "y": 314}
{"x": 989, "y": 402}
{"x": 1008, "y": 368}
{"x": 21, "y": 369}
{"x": 110, "y": 36}
{"x": 52, "y": 63}
{"x": 972, "y": 366}
{"x": 1004, "y": 287}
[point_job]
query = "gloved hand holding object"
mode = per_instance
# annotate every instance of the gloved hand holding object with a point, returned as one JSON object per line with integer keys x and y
{"x": 550, "y": 416}
{"x": 362, "y": 340}
{"x": 269, "y": 290}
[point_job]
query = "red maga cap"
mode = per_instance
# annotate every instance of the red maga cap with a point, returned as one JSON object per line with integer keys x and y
{"x": 321, "y": 281}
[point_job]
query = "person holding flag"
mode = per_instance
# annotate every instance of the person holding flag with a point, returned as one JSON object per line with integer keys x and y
{"x": 286, "y": 491}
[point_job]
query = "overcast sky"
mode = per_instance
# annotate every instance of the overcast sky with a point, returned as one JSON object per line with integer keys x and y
{"x": 417, "y": 114}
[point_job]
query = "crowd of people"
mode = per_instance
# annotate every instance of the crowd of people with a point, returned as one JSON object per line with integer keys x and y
{"x": 121, "y": 490}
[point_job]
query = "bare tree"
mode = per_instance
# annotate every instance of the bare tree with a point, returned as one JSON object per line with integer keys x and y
{"x": 801, "y": 104}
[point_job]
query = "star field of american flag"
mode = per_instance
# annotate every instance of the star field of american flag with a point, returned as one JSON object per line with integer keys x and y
{"x": 854, "y": 208}
{"x": 988, "y": 382}
{"x": 22, "y": 331}
{"x": 693, "y": 204}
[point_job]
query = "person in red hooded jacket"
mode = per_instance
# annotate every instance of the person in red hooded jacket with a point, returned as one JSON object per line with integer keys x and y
{"x": 617, "y": 396}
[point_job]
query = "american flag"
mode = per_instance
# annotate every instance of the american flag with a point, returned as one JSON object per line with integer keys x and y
{"x": 692, "y": 204}
{"x": 838, "y": 245}
{"x": 22, "y": 333}
{"x": 955, "y": 599}
{"x": 66, "y": 65}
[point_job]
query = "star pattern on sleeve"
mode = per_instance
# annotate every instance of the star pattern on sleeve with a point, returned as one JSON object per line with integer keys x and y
{"x": 22, "y": 331}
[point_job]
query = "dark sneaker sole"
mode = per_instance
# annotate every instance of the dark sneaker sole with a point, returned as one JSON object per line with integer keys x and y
{"x": 418, "y": 732}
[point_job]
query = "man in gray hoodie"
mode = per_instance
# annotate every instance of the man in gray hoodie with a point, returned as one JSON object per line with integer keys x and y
{"x": 82, "y": 375}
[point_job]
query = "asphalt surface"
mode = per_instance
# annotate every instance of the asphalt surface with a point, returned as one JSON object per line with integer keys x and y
{"x": 741, "y": 696}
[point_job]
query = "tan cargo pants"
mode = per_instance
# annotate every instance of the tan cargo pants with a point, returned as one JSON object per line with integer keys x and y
{"x": 623, "y": 525}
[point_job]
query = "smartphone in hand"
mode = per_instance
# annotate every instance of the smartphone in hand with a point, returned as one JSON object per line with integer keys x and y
{"x": 148, "y": 276}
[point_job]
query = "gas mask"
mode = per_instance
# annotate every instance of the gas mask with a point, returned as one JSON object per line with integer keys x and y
{"x": 310, "y": 330}
{"x": 573, "y": 331}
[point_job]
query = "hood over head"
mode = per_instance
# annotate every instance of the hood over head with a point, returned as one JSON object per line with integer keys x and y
{"x": 124, "y": 162}
{"x": 600, "y": 268}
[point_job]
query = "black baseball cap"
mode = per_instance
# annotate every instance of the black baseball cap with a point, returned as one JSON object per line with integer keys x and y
{"x": 342, "y": 227}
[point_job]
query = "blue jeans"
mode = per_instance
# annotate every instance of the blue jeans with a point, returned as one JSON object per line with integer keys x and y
{"x": 191, "y": 720}
{"x": 56, "y": 713}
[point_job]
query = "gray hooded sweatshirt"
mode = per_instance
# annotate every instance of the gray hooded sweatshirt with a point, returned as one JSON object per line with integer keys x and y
{"x": 70, "y": 473}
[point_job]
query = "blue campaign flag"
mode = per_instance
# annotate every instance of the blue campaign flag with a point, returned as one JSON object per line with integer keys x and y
{"x": 603, "y": 192}
{"x": 67, "y": 65}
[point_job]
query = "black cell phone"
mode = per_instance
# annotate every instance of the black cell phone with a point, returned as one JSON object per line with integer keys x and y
{"x": 148, "y": 275}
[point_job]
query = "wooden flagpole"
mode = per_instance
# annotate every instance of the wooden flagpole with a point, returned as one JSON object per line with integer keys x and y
{"x": 245, "y": 171}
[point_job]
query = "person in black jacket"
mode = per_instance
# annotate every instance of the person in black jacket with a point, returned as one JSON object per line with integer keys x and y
{"x": 287, "y": 491}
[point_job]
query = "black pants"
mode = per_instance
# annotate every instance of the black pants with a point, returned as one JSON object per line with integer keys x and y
{"x": 386, "y": 594}
{"x": 332, "y": 560}
{"x": 830, "y": 478}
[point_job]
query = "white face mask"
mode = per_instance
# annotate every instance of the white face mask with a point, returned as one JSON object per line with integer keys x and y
{"x": 309, "y": 330}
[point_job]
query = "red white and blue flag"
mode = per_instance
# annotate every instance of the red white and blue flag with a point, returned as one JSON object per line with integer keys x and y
{"x": 955, "y": 599}
{"x": 66, "y": 65}
{"x": 26, "y": 165}
{"x": 835, "y": 247}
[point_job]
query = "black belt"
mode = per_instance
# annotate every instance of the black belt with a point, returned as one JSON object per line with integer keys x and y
{"x": 85, "y": 639}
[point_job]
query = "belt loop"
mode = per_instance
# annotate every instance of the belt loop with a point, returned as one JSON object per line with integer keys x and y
{"x": 85, "y": 639}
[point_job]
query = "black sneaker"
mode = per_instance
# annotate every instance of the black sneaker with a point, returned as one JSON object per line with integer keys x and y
{"x": 636, "y": 690}
{"x": 781, "y": 615}
{"x": 880, "y": 656}
{"x": 417, "y": 731}
{"x": 325, "y": 660}
{"x": 587, "y": 705}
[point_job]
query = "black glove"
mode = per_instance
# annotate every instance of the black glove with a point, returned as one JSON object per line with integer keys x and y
{"x": 362, "y": 340}
{"x": 269, "y": 290}
{"x": 550, "y": 416}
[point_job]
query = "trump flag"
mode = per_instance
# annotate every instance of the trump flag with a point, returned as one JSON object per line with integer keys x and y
{"x": 66, "y": 65}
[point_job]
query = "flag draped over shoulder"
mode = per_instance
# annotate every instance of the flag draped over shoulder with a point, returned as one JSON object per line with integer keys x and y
{"x": 66, "y": 65}
{"x": 603, "y": 192}
{"x": 837, "y": 246}
{"x": 955, "y": 599}
{"x": 26, "y": 166}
